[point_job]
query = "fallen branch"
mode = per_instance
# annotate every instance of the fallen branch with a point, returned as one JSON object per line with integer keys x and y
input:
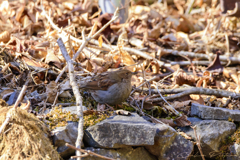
{"x": 198, "y": 141}
{"x": 19, "y": 99}
{"x": 76, "y": 92}
{"x": 88, "y": 152}
{"x": 233, "y": 60}
{"x": 194, "y": 90}
{"x": 185, "y": 63}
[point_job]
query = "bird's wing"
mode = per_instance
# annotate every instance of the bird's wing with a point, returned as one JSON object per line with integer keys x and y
{"x": 100, "y": 82}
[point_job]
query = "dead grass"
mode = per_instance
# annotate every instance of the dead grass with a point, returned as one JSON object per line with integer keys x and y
{"x": 25, "y": 137}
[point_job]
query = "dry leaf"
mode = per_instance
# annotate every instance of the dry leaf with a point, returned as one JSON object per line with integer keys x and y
{"x": 5, "y": 36}
{"x": 51, "y": 90}
{"x": 122, "y": 112}
{"x": 51, "y": 57}
{"x": 100, "y": 41}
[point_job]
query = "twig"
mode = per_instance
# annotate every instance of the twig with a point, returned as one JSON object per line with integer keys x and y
{"x": 198, "y": 141}
{"x": 233, "y": 60}
{"x": 76, "y": 93}
{"x": 88, "y": 152}
{"x": 155, "y": 77}
{"x": 185, "y": 63}
{"x": 169, "y": 106}
{"x": 20, "y": 96}
{"x": 195, "y": 90}
{"x": 147, "y": 56}
{"x": 190, "y": 6}
{"x": 19, "y": 99}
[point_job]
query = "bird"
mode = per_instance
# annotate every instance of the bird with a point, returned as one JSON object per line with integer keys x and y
{"x": 111, "y": 87}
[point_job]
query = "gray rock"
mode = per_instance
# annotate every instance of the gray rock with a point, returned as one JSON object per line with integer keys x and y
{"x": 211, "y": 133}
{"x": 234, "y": 152}
{"x": 216, "y": 113}
{"x": 170, "y": 145}
{"x": 119, "y": 132}
{"x": 129, "y": 153}
{"x": 123, "y": 131}
{"x": 63, "y": 135}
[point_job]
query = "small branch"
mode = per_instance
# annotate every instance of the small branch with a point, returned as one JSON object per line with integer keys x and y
{"x": 195, "y": 90}
{"x": 20, "y": 96}
{"x": 185, "y": 63}
{"x": 233, "y": 60}
{"x": 198, "y": 142}
{"x": 168, "y": 106}
{"x": 147, "y": 81}
{"x": 90, "y": 153}
{"x": 147, "y": 56}
{"x": 190, "y": 6}
{"x": 19, "y": 99}
{"x": 76, "y": 93}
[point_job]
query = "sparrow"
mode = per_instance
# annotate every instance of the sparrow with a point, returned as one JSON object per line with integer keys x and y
{"x": 111, "y": 87}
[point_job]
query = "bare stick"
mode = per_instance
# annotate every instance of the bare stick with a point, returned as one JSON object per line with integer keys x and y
{"x": 20, "y": 96}
{"x": 190, "y": 6}
{"x": 88, "y": 152}
{"x": 169, "y": 106}
{"x": 233, "y": 60}
{"x": 196, "y": 90}
{"x": 76, "y": 94}
{"x": 19, "y": 99}
{"x": 147, "y": 81}
{"x": 198, "y": 142}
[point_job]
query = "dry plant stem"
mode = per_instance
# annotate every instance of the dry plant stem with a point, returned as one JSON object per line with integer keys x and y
{"x": 168, "y": 106}
{"x": 144, "y": 55}
{"x": 76, "y": 93}
{"x": 190, "y": 6}
{"x": 88, "y": 152}
{"x": 20, "y": 96}
{"x": 8, "y": 116}
{"x": 196, "y": 90}
{"x": 198, "y": 142}
{"x": 233, "y": 60}
{"x": 185, "y": 63}
{"x": 155, "y": 77}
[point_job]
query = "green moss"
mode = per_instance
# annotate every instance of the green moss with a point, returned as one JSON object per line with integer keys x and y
{"x": 59, "y": 118}
{"x": 127, "y": 107}
{"x": 93, "y": 119}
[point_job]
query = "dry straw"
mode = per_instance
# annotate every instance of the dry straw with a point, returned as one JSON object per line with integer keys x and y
{"x": 25, "y": 137}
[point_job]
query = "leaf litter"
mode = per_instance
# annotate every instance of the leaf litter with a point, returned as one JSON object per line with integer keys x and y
{"x": 171, "y": 50}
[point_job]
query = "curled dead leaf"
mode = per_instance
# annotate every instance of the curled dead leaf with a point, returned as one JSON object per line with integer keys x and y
{"x": 5, "y": 36}
{"x": 181, "y": 78}
{"x": 122, "y": 112}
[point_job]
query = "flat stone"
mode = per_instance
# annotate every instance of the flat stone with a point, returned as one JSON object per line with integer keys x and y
{"x": 211, "y": 133}
{"x": 216, "y": 113}
{"x": 170, "y": 145}
{"x": 120, "y": 132}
